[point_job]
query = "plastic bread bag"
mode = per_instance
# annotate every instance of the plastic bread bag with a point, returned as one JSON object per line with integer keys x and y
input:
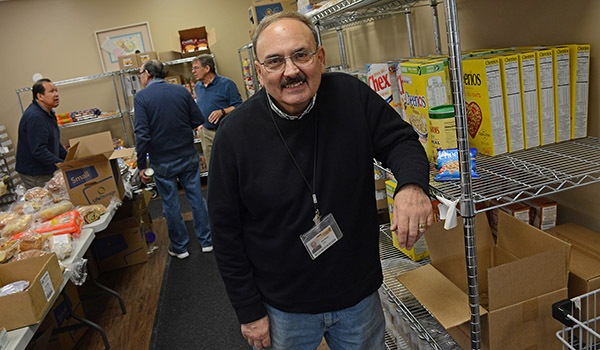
{"x": 26, "y": 207}
{"x": 69, "y": 222}
{"x": 29, "y": 254}
{"x": 61, "y": 245}
{"x": 57, "y": 183}
{"x": 55, "y": 209}
{"x": 13, "y": 288}
{"x": 8, "y": 249}
{"x": 38, "y": 193}
{"x": 91, "y": 213}
{"x": 448, "y": 163}
{"x": 18, "y": 225}
{"x": 30, "y": 241}
{"x": 78, "y": 271}
{"x": 6, "y": 217}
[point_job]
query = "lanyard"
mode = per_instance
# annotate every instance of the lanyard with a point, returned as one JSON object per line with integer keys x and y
{"x": 312, "y": 187}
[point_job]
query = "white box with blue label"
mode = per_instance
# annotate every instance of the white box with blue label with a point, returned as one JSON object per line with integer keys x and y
{"x": 90, "y": 169}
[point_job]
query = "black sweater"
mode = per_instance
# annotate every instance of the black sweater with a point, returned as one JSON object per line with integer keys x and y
{"x": 259, "y": 205}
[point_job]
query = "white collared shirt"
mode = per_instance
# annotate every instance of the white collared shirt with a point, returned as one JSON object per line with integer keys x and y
{"x": 291, "y": 117}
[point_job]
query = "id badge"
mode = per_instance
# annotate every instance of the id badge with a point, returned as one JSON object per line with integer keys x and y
{"x": 322, "y": 236}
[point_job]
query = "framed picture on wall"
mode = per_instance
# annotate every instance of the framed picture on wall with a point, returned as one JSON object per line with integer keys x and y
{"x": 122, "y": 41}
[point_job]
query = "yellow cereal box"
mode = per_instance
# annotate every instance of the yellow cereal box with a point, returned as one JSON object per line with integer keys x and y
{"x": 545, "y": 75}
{"x": 382, "y": 78}
{"x": 562, "y": 92}
{"x": 529, "y": 99}
{"x": 580, "y": 73}
{"x": 511, "y": 89}
{"x": 423, "y": 85}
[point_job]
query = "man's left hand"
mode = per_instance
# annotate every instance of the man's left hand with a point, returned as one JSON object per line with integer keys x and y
{"x": 215, "y": 116}
{"x": 145, "y": 179}
{"x": 413, "y": 214}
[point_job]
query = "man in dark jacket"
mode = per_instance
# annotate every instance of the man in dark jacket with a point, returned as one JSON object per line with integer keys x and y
{"x": 39, "y": 147}
{"x": 292, "y": 165}
{"x": 165, "y": 116}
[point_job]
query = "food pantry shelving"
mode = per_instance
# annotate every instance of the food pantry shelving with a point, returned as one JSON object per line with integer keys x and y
{"x": 511, "y": 177}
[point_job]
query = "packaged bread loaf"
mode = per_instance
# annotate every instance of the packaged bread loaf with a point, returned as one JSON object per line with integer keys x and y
{"x": 29, "y": 254}
{"x": 91, "y": 213}
{"x": 38, "y": 193}
{"x": 55, "y": 210}
{"x": 20, "y": 224}
{"x": 30, "y": 241}
{"x": 8, "y": 249}
{"x": 57, "y": 183}
{"x": 5, "y": 218}
{"x": 27, "y": 207}
{"x": 61, "y": 245}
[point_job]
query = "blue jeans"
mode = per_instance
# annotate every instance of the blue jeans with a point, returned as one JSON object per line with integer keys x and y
{"x": 187, "y": 171}
{"x": 359, "y": 327}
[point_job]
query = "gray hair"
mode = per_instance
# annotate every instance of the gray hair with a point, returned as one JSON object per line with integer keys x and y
{"x": 155, "y": 68}
{"x": 206, "y": 60}
{"x": 267, "y": 21}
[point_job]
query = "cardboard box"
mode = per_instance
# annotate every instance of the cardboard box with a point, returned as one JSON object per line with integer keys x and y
{"x": 584, "y": 274}
{"x": 511, "y": 89}
{"x": 545, "y": 73}
{"x": 520, "y": 211}
{"x": 381, "y": 77}
{"x": 129, "y": 61}
{"x": 90, "y": 169}
{"x": 173, "y": 79}
{"x": 59, "y": 317}
{"x": 419, "y": 251}
{"x": 485, "y": 112}
{"x": 259, "y": 9}
{"x": 28, "y": 307}
{"x": 146, "y": 56}
{"x": 529, "y": 99}
{"x": 543, "y": 213}
{"x": 519, "y": 278}
{"x": 562, "y": 92}
{"x": 380, "y": 194}
{"x": 167, "y": 56}
{"x": 121, "y": 245}
{"x": 194, "y": 33}
{"x": 423, "y": 85}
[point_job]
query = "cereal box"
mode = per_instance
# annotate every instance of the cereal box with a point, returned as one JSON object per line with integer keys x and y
{"x": 545, "y": 89}
{"x": 511, "y": 88}
{"x": 424, "y": 85}
{"x": 529, "y": 99}
{"x": 485, "y": 112}
{"x": 580, "y": 73}
{"x": 382, "y": 78}
{"x": 562, "y": 92}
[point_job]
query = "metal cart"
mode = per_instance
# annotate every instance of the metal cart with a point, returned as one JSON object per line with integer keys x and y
{"x": 580, "y": 320}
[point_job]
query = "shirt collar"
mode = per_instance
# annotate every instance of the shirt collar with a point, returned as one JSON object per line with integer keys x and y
{"x": 51, "y": 113}
{"x": 291, "y": 117}
{"x": 154, "y": 80}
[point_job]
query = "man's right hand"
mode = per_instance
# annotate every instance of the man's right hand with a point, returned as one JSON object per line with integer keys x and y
{"x": 257, "y": 333}
{"x": 145, "y": 179}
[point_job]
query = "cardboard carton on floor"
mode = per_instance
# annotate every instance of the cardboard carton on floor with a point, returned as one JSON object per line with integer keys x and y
{"x": 122, "y": 244}
{"x": 90, "y": 169}
{"x": 28, "y": 307}
{"x": 519, "y": 278}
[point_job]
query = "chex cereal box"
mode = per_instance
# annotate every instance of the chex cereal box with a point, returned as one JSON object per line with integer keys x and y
{"x": 529, "y": 99}
{"x": 545, "y": 73}
{"x": 382, "y": 78}
{"x": 424, "y": 85}
{"x": 562, "y": 92}
{"x": 511, "y": 89}
{"x": 485, "y": 112}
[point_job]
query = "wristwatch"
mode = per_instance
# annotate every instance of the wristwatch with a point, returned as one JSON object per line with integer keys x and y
{"x": 223, "y": 111}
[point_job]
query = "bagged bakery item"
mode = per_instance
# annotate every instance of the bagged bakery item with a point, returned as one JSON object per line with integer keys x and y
{"x": 54, "y": 210}
{"x": 38, "y": 193}
{"x": 29, "y": 254}
{"x": 57, "y": 183}
{"x": 61, "y": 245}
{"x": 91, "y": 213}
{"x": 5, "y": 218}
{"x": 8, "y": 249}
{"x": 69, "y": 222}
{"x": 26, "y": 207}
{"x": 18, "y": 225}
{"x": 30, "y": 241}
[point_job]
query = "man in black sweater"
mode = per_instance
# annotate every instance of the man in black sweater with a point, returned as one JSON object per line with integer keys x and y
{"x": 39, "y": 147}
{"x": 294, "y": 165}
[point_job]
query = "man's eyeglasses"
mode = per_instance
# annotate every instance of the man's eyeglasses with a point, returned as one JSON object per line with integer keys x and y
{"x": 276, "y": 64}
{"x": 196, "y": 68}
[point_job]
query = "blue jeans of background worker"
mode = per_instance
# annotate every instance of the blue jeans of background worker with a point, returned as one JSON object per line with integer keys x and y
{"x": 166, "y": 176}
{"x": 359, "y": 327}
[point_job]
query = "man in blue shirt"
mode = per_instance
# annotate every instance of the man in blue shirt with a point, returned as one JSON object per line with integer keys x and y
{"x": 165, "y": 116}
{"x": 216, "y": 96}
{"x": 39, "y": 147}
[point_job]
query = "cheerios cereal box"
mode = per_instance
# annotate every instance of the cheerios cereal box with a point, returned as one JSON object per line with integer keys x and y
{"x": 545, "y": 73}
{"x": 562, "y": 92}
{"x": 485, "y": 110}
{"x": 424, "y": 84}
{"x": 580, "y": 74}
{"x": 511, "y": 90}
{"x": 529, "y": 99}
{"x": 381, "y": 77}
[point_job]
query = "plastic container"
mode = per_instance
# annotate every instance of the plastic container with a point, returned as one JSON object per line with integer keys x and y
{"x": 442, "y": 128}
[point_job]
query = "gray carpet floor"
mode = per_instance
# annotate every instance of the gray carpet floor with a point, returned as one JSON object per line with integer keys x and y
{"x": 193, "y": 310}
